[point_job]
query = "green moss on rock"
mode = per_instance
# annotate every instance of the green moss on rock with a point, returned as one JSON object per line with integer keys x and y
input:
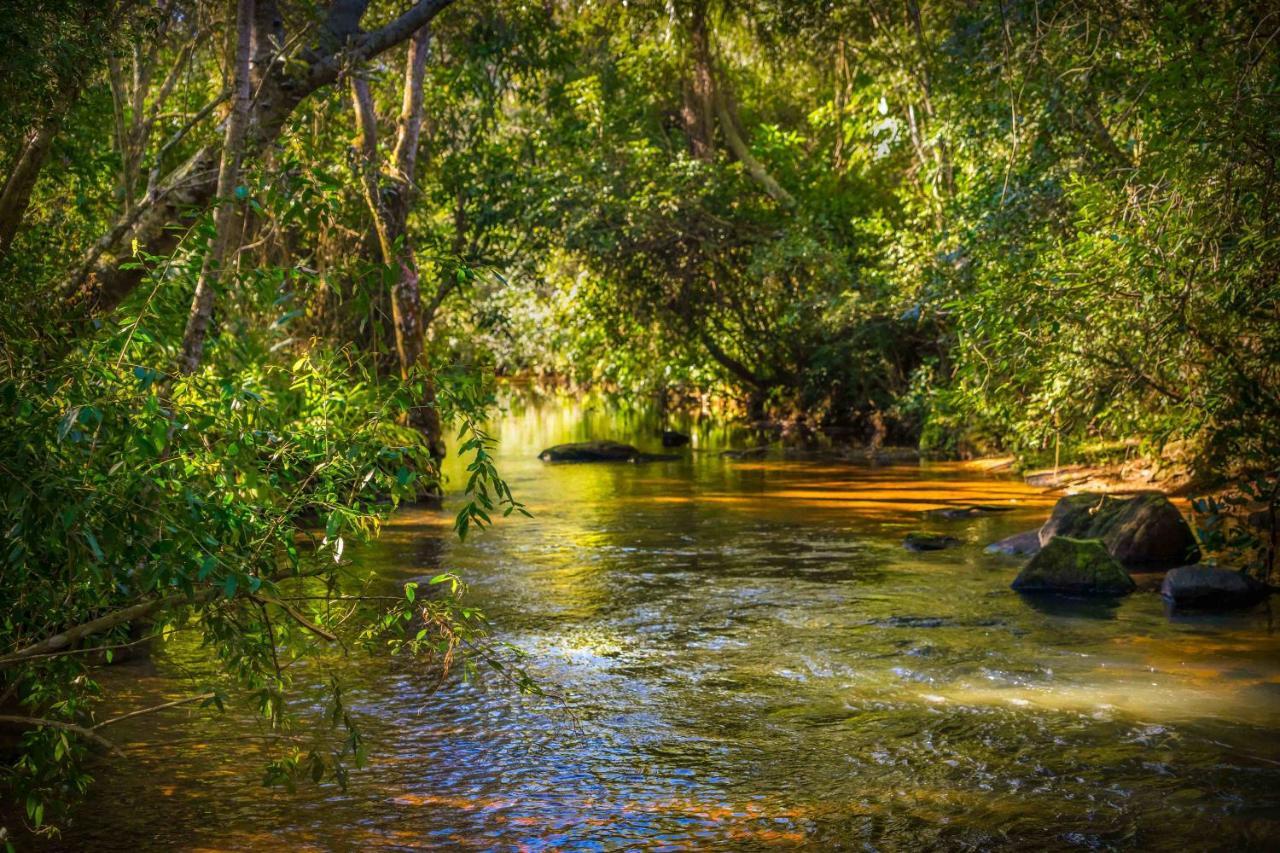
{"x": 1074, "y": 567}
{"x": 1143, "y": 531}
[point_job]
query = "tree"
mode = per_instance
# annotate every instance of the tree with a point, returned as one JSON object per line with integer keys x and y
{"x": 105, "y": 277}
{"x": 389, "y": 203}
{"x": 63, "y": 68}
{"x": 141, "y": 499}
{"x": 218, "y": 254}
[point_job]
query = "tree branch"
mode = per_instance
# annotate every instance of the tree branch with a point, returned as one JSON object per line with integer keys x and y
{"x": 93, "y": 626}
{"x": 297, "y": 616}
{"x": 70, "y": 727}
{"x": 740, "y": 150}
{"x": 188, "y": 700}
{"x": 365, "y": 46}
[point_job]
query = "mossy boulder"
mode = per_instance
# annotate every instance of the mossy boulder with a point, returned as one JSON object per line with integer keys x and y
{"x": 1143, "y": 532}
{"x": 1074, "y": 567}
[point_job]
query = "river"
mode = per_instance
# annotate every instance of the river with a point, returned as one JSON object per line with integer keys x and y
{"x": 746, "y": 658}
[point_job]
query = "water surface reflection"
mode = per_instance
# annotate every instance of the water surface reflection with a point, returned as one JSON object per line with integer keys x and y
{"x": 751, "y": 660}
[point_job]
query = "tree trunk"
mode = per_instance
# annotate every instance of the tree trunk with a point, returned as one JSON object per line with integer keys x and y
{"x": 16, "y": 197}
{"x": 389, "y": 202}
{"x": 698, "y": 113}
{"x": 102, "y": 281}
{"x": 22, "y": 180}
{"x": 224, "y": 215}
{"x": 941, "y": 156}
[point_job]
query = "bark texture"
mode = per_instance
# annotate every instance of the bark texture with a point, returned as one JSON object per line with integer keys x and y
{"x": 390, "y": 198}
{"x": 698, "y": 113}
{"x": 217, "y": 254}
{"x": 16, "y": 196}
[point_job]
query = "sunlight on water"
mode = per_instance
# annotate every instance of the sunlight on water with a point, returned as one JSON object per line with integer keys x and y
{"x": 749, "y": 660}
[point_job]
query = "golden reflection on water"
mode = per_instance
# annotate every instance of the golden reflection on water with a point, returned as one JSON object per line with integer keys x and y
{"x": 875, "y": 495}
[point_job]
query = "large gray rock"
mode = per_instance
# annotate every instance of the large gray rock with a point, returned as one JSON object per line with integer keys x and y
{"x": 1074, "y": 567}
{"x": 1211, "y": 588}
{"x": 1023, "y": 544}
{"x": 1143, "y": 531}
{"x": 599, "y": 451}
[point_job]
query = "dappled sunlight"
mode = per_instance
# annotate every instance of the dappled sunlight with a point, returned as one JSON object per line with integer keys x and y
{"x": 1169, "y": 698}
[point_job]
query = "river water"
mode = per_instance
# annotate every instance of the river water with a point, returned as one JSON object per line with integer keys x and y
{"x": 747, "y": 659}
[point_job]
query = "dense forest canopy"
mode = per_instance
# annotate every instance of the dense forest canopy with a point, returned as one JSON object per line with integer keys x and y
{"x": 259, "y": 256}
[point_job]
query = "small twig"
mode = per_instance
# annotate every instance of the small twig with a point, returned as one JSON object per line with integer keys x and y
{"x": 298, "y": 617}
{"x": 160, "y": 707}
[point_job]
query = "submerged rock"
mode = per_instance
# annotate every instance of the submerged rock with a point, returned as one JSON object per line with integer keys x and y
{"x": 1074, "y": 567}
{"x": 1143, "y": 531}
{"x": 671, "y": 438}
{"x": 890, "y": 455}
{"x": 1211, "y": 588}
{"x": 955, "y": 513}
{"x": 925, "y": 542}
{"x": 599, "y": 451}
{"x": 748, "y": 453}
{"x": 1023, "y": 544}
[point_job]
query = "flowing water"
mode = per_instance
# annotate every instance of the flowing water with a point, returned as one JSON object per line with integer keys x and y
{"x": 748, "y": 659}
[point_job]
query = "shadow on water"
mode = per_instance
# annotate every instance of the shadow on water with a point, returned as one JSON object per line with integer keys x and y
{"x": 1072, "y": 607}
{"x": 750, "y": 660}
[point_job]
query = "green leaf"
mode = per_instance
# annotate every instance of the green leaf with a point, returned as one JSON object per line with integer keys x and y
{"x": 207, "y": 565}
{"x": 93, "y": 545}
{"x": 68, "y": 421}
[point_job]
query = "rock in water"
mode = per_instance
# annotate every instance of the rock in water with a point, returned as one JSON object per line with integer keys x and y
{"x": 1022, "y": 544}
{"x": 671, "y": 438}
{"x": 925, "y": 542}
{"x": 599, "y": 451}
{"x": 1143, "y": 531}
{"x": 749, "y": 453}
{"x": 1074, "y": 567}
{"x": 589, "y": 451}
{"x": 1211, "y": 588}
{"x": 955, "y": 513}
